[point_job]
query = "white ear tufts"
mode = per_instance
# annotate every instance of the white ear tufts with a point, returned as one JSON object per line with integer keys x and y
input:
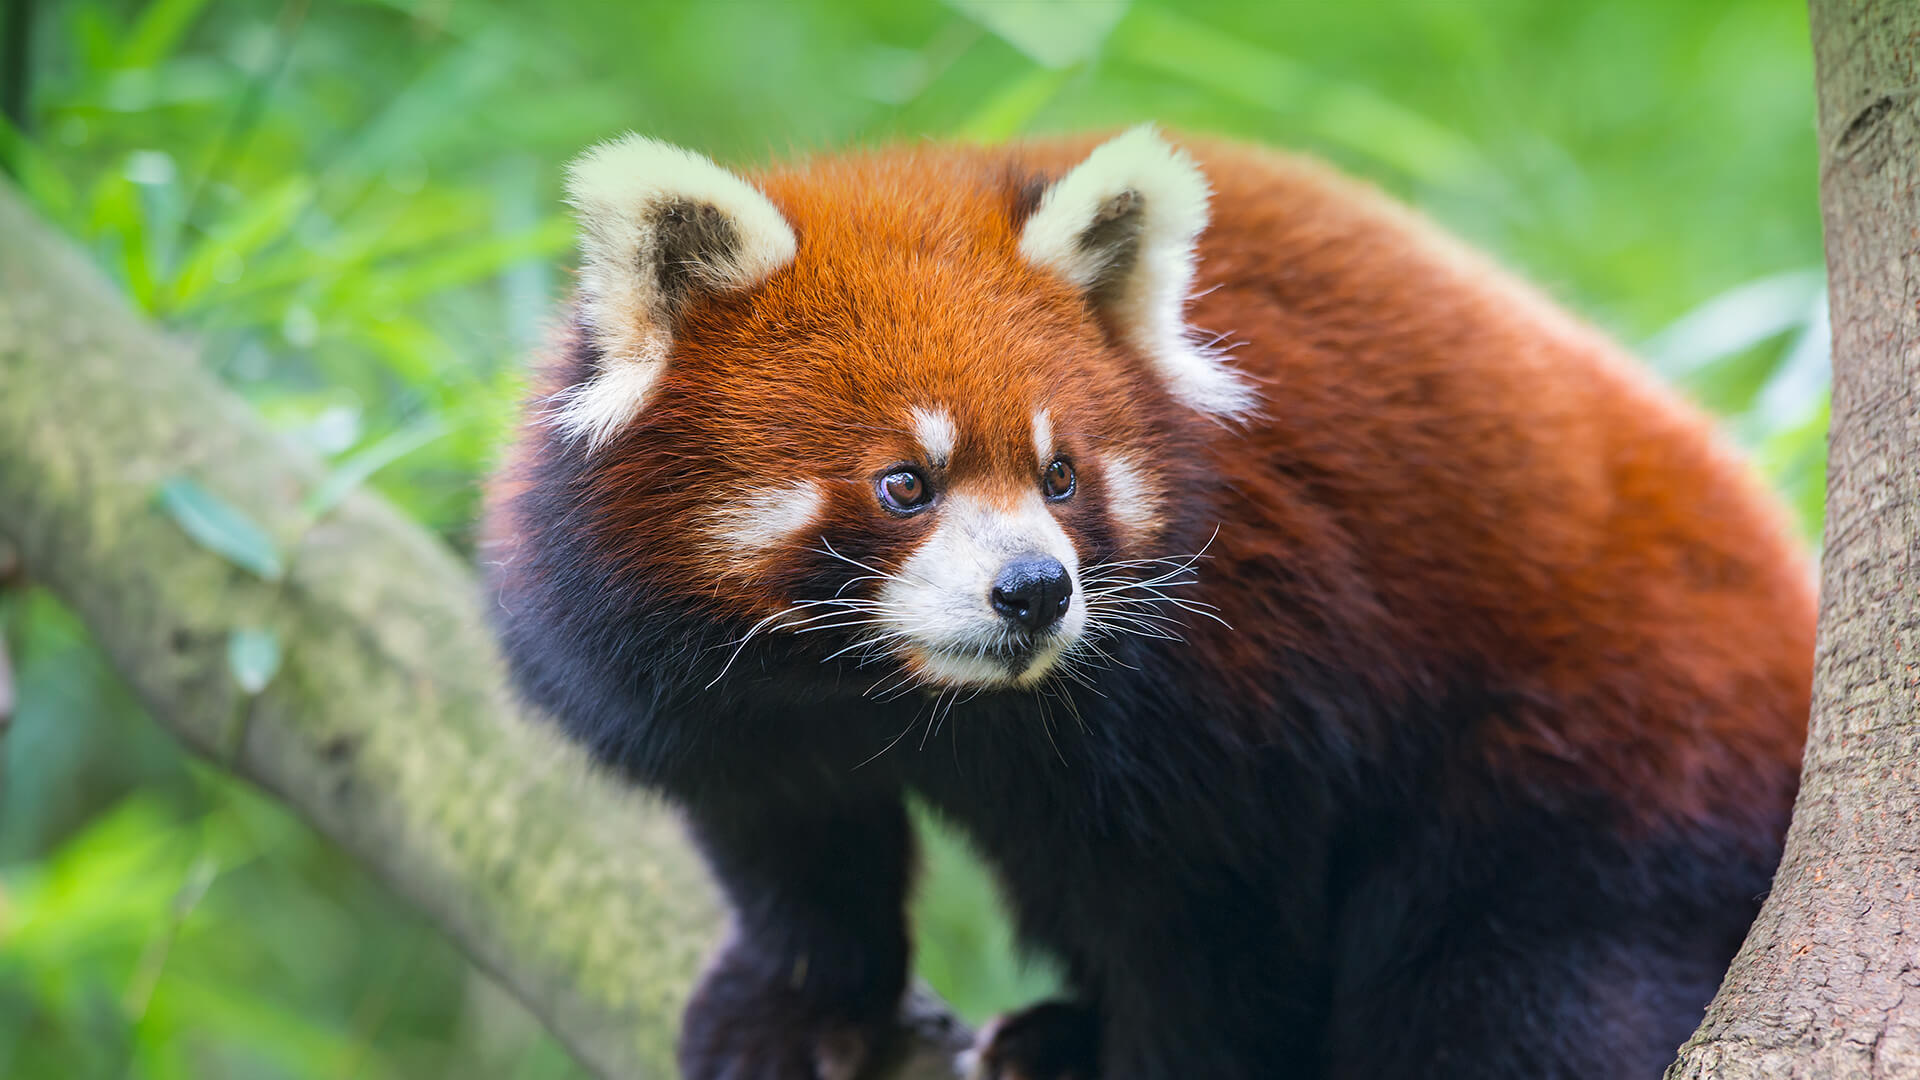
{"x": 619, "y": 187}
{"x": 658, "y": 224}
{"x": 599, "y": 408}
{"x": 1122, "y": 225}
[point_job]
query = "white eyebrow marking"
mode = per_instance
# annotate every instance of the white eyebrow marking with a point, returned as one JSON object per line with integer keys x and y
{"x": 934, "y": 428}
{"x": 1132, "y": 498}
{"x": 1043, "y": 436}
{"x": 768, "y": 516}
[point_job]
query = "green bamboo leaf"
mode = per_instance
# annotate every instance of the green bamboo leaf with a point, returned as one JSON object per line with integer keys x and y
{"x": 459, "y": 265}
{"x": 253, "y": 656}
{"x": 414, "y": 121}
{"x": 263, "y": 221}
{"x": 412, "y": 350}
{"x": 35, "y": 172}
{"x": 1054, "y": 33}
{"x": 362, "y": 464}
{"x": 118, "y": 222}
{"x": 222, "y": 528}
{"x": 1345, "y": 114}
{"x": 157, "y": 31}
{"x": 1736, "y": 320}
{"x": 94, "y": 35}
{"x": 1009, "y": 112}
{"x": 347, "y": 255}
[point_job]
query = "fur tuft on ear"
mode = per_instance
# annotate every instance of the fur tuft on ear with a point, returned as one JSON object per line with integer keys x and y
{"x": 658, "y": 226}
{"x": 1122, "y": 226}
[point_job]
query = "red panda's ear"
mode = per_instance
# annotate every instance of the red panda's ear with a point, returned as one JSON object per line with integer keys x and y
{"x": 658, "y": 226}
{"x": 1122, "y": 226}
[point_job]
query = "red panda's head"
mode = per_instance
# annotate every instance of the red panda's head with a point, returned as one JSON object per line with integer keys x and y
{"x": 922, "y": 401}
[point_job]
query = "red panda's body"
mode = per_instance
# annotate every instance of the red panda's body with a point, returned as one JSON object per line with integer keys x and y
{"x": 1476, "y": 766}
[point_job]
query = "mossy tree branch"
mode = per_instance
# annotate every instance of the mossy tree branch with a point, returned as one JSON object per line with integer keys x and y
{"x": 387, "y": 724}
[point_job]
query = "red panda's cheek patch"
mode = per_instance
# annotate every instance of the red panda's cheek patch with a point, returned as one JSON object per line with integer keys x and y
{"x": 1043, "y": 436}
{"x": 1135, "y": 499}
{"x": 748, "y": 528}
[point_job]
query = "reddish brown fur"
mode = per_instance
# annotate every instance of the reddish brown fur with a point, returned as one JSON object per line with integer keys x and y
{"x": 930, "y": 255}
{"x": 1516, "y": 492}
{"x": 1466, "y": 506}
{"x": 1493, "y": 484}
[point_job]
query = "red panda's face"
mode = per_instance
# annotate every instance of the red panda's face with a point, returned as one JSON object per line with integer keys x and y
{"x": 954, "y": 543}
{"x": 952, "y": 515}
{"x": 897, "y": 410}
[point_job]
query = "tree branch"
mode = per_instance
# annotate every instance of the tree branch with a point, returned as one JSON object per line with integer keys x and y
{"x": 1828, "y": 982}
{"x": 388, "y": 724}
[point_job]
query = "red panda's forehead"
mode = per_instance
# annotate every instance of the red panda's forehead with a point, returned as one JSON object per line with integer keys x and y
{"x": 907, "y": 298}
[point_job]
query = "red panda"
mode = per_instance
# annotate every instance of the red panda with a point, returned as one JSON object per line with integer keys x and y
{"x": 1351, "y": 665}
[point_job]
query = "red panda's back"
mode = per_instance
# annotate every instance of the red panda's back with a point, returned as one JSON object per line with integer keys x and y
{"x": 1475, "y": 480}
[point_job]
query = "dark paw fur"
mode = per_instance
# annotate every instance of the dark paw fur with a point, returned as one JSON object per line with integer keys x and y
{"x": 1055, "y": 1040}
{"x": 740, "y": 1027}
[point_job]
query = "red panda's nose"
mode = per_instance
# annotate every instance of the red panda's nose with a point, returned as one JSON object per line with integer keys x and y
{"x": 1032, "y": 591}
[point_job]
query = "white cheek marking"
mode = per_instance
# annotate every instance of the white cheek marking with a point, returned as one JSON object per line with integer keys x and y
{"x": 767, "y": 517}
{"x": 934, "y": 428}
{"x": 940, "y": 599}
{"x": 1043, "y": 437}
{"x": 1133, "y": 499}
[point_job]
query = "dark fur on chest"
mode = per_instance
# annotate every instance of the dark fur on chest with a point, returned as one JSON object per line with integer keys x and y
{"x": 1280, "y": 894}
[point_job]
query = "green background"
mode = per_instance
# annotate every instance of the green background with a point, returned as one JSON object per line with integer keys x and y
{"x": 352, "y": 209}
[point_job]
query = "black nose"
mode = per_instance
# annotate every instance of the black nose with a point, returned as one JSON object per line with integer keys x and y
{"x": 1033, "y": 591}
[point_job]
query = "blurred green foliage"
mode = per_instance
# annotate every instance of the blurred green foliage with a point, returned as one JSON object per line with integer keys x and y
{"x": 352, "y": 207}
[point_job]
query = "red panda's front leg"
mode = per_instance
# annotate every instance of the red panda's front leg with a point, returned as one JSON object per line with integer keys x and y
{"x": 1055, "y": 1040}
{"x": 810, "y": 979}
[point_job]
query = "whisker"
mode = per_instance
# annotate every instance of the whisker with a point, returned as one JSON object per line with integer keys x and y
{"x": 1136, "y": 624}
{"x": 891, "y": 681}
{"x": 826, "y": 548}
{"x": 934, "y": 714}
{"x": 843, "y": 625}
{"x": 742, "y": 644}
{"x": 1046, "y": 725}
{"x": 895, "y": 742}
{"x": 1065, "y": 697}
{"x": 864, "y": 643}
{"x": 1105, "y": 656}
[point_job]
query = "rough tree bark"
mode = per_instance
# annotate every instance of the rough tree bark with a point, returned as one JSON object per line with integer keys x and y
{"x": 388, "y": 725}
{"x": 1828, "y": 983}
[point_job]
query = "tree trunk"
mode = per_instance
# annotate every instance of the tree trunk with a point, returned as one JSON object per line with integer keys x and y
{"x": 388, "y": 724}
{"x": 1828, "y": 983}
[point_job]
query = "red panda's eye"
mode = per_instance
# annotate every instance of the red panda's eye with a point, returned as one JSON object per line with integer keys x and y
{"x": 1058, "y": 479}
{"x": 904, "y": 491}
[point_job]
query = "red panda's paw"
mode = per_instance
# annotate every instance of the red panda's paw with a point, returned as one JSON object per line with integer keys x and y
{"x": 1055, "y": 1040}
{"x": 737, "y": 1029}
